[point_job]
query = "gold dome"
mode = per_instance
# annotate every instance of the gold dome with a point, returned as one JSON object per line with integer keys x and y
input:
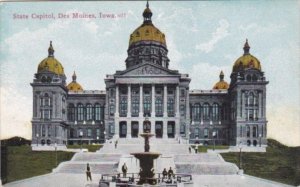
{"x": 74, "y": 86}
{"x": 221, "y": 84}
{"x": 147, "y": 31}
{"x": 247, "y": 60}
{"x": 50, "y": 63}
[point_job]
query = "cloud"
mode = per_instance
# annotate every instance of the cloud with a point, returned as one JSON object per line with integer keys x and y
{"x": 284, "y": 124}
{"x": 220, "y": 33}
{"x": 255, "y": 28}
{"x": 15, "y": 113}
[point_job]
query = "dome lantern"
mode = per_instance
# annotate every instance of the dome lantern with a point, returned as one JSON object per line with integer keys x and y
{"x": 50, "y": 50}
{"x": 147, "y": 14}
{"x": 246, "y": 48}
{"x": 74, "y": 77}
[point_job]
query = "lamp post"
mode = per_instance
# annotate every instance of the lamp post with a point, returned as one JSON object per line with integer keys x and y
{"x": 214, "y": 135}
{"x": 104, "y": 136}
{"x": 189, "y": 137}
{"x": 259, "y": 140}
{"x": 80, "y": 135}
{"x": 55, "y": 153}
{"x": 240, "y": 159}
{"x": 37, "y": 139}
{"x": 97, "y": 140}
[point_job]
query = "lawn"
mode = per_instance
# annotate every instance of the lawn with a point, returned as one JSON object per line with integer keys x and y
{"x": 23, "y": 163}
{"x": 279, "y": 163}
{"x": 91, "y": 148}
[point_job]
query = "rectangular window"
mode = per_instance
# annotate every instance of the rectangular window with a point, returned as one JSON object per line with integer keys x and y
{"x": 182, "y": 129}
{"x": 170, "y": 107}
{"x": 98, "y": 133}
{"x": 135, "y": 106}
{"x": 89, "y": 132}
{"x": 205, "y": 133}
{"x": 158, "y": 107}
{"x": 111, "y": 109}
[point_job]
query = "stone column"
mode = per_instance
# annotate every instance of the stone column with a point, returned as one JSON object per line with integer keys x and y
{"x": 141, "y": 126}
{"x": 117, "y": 113}
{"x": 165, "y": 129}
{"x": 187, "y": 110}
{"x": 128, "y": 122}
{"x": 117, "y": 101}
{"x": 165, "y": 101}
{"x": 259, "y": 104}
{"x": 243, "y": 103}
{"x": 141, "y": 101}
{"x": 129, "y": 101}
{"x": 153, "y": 101}
{"x": 177, "y": 102}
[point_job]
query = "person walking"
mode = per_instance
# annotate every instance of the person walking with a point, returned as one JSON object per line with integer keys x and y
{"x": 88, "y": 172}
{"x": 190, "y": 150}
{"x": 124, "y": 169}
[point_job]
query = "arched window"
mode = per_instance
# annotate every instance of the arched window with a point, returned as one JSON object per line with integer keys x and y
{"x": 71, "y": 112}
{"x": 251, "y": 99}
{"x": 182, "y": 129}
{"x": 43, "y": 131}
{"x": 215, "y": 112}
{"x": 206, "y": 111}
{"x": 254, "y": 78}
{"x": 158, "y": 107}
{"x": 197, "y": 111}
{"x": 97, "y": 112}
{"x": 111, "y": 109}
{"x": 49, "y": 131}
{"x": 89, "y": 112}
{"x": 80, "y": 112}
{"x": 170, "y": 107}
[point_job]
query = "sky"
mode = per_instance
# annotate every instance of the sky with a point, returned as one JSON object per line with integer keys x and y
{"x": 203, "y": 38}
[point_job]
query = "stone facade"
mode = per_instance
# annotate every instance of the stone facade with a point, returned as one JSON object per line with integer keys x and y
{"x": 228, "y": 114}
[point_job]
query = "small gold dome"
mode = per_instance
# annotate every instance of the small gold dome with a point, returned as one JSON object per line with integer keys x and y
{"x": 147, "y": 31}
{"x": 247, "y": 60}
{"x": 50, "y": 63}
{"x": 74, "y": 86}
{"x": 221, "y": 84}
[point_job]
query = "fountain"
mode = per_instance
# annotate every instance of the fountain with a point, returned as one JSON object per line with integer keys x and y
{"x": 146, "y": 158}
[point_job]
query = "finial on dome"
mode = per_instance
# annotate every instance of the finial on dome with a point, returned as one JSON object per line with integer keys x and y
{"x": 246, "y": 48}
{"x": 147, "y": 14}
{"x": 50, "y": 50}
{"x": 221, "y": 76}
{"x": 74, "y": 77}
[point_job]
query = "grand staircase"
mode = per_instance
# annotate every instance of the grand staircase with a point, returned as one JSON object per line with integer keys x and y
{"x": 109, "y": 159}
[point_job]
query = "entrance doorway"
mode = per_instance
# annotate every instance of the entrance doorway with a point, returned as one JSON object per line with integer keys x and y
{"x": 171, "y": 129}
{"x": 123, "y": 129}
{"x": 158, "y": 129}
{"x": 147, "y": 126}
{"x": 134, "y": 129}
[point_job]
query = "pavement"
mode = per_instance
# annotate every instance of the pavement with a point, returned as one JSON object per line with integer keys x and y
{"x": 79, "y": 180}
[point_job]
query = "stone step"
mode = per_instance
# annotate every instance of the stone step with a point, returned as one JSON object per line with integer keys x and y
{"x": 80, "y": 167}
{"x": 207, "y": 168}
{"x": 201, "y": 157}
{"x": 96, "y": 157}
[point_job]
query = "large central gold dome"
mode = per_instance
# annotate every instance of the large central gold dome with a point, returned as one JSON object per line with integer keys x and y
{"x": 247, "y": 60}
{"x": 147, "y": 31}
{"x": 50, "y": 63}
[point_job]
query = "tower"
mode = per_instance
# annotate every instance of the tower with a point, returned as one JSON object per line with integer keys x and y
{"x": 247, "y": 94}
{"x": 49, "y": 102}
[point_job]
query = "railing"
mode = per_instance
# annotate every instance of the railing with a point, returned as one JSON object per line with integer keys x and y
{"x": 134, "y": 178}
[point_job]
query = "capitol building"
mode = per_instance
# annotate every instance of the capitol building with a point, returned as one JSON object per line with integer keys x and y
{"x": 226, "y": 114}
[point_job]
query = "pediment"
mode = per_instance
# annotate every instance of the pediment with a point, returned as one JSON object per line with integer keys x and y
{"x": 148, "y": 69}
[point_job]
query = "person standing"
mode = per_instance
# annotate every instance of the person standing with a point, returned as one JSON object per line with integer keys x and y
{"x": 88, "y": 172}
{"x": 170, "y": 173}
{"x": 190, "y": 150}
{"x": 164, "y": 173}
{"x": 124, "y": 170}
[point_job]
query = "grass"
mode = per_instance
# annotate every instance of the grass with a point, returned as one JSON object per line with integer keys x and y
{"x": 279, "y": 163}
{"x": 91, "y": 148}
{"x": 23, "y": 163}
{"x": 203, "y": 148}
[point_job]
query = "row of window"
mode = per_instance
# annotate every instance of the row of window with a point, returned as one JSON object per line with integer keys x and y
{"x": 89, "y": 112}
{"x": 77, "y": 133}
{"x": 146, "y": 106}
{"x": 207, "y": 133}
{"x": 207, "y": 112}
